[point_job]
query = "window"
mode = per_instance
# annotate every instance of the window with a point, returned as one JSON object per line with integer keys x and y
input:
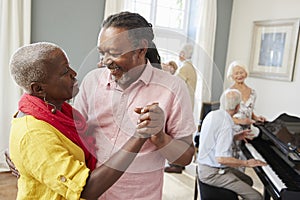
{"x": 170, "y": 19}
{"x": 175, "y": 22}
{"x": 172, "y": 14}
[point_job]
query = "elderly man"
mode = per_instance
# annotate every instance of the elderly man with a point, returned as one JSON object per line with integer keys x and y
{"x": 127, "y": 78}
{"x": 187, "y": 73}
{"x": 216, "y": 165}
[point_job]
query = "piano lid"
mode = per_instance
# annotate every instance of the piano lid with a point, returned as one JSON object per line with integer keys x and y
{"x": 286, "y": 129}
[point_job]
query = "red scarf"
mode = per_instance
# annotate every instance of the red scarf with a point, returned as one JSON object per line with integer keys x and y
{"x": 68, "y": 121}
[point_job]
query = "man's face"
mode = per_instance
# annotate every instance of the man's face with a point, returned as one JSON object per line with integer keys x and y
{"x": 116, "y": 51}
{"x": 181, "y": 56}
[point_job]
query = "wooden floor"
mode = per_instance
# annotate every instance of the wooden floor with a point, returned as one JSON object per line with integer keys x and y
{"x": 182, "y": 186}
{"x": 8, "y": 186}
{"x": 176, "y": 186}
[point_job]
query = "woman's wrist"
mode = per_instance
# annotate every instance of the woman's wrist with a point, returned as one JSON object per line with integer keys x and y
{"x": 160, "y": 139}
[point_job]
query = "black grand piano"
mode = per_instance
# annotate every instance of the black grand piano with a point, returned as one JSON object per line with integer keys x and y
{"x": 278, "y": 144}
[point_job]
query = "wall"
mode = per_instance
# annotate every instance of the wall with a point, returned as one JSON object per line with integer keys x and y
{"x": 274, "y": 97}
{"x": 72, "y": 24}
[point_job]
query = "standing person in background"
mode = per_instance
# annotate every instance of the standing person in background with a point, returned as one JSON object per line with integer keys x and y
{"x": 52, "y": 154}
{"x": 127, "y": 79}
{"x": 187, "y": 70}
{"x": 216, "y": 165}
{"x": 245, "y": 117}
{"x": 188, "y": 73}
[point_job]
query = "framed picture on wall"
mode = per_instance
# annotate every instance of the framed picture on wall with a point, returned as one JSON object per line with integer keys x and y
{"x": 274, "y": 46}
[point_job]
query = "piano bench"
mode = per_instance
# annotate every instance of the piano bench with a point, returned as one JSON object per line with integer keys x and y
{"x": 208, "y": 192}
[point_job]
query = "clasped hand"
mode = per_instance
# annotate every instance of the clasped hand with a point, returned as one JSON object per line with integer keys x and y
{"x": 151, "y": 120}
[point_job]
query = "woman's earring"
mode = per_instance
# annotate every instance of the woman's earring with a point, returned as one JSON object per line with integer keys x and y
{"x": 53, "y": 110}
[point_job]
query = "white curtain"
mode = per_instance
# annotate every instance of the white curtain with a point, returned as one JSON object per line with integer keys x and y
{"x": 203, "y": 53}
{"x": 15, "y": 24}
{"x": 205, "y": 39}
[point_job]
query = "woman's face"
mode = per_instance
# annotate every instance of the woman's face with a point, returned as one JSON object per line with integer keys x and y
{"x": 239, "y": 74}
{"x": 165, "y": 67}
{"x": 168, "y": 68}
{"x": 61, "y": 84}
{"x": 117, "y": 52}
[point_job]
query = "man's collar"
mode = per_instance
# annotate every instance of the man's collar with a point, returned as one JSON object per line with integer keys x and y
{"x": 147, "y": 73}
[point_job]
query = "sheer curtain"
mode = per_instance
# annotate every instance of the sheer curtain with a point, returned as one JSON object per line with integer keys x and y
{"x": 15, "y": 21}
{"x": 204, "y": 51}
{"x": 205, "y": 39}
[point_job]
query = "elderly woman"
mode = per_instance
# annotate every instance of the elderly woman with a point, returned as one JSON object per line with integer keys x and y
{"x": 48, "y": 144}
{"x": 238, "y": 72}
{"x": 245, "y": 117}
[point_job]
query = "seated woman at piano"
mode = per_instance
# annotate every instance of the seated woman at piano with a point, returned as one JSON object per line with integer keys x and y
{"x": 245, "y": 117}
{"x": 216, "y": 164}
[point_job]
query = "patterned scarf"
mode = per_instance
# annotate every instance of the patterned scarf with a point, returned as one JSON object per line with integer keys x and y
{"x": 68, "y": 121}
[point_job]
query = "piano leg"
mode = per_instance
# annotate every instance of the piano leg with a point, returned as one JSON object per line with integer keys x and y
{"x": 266, "y": 194}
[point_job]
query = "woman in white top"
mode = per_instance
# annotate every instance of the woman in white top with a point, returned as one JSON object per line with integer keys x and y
{"x": 245, "y": 117}
{"x": 238, "y": 72}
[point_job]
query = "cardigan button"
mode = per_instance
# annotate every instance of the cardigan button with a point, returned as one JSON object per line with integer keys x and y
{"x": 63, "y": 179}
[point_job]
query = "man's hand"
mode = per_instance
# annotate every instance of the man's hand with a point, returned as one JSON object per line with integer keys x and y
{"x": 151, "y": 120}
{"x": 255, "y": 163}
{"x": 11, "y": 165}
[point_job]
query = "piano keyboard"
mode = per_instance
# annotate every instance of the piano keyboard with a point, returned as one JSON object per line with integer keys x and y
{"x": 267, "y": 169}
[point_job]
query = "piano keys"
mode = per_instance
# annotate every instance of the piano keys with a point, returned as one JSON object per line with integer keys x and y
{"x": 278, "y": 144}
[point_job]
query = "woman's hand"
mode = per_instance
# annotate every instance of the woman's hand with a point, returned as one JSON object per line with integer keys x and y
{"x": 243, "y": 135}
{"x": 243, "y": 121}
{"x": 260, "y": 119}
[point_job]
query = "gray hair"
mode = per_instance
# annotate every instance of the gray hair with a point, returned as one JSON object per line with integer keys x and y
{"x": 29, "y": 63}
{"x": 187, "y": 49}
{"x": 233, "y": 65}
{"x": 230, "y": 99}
